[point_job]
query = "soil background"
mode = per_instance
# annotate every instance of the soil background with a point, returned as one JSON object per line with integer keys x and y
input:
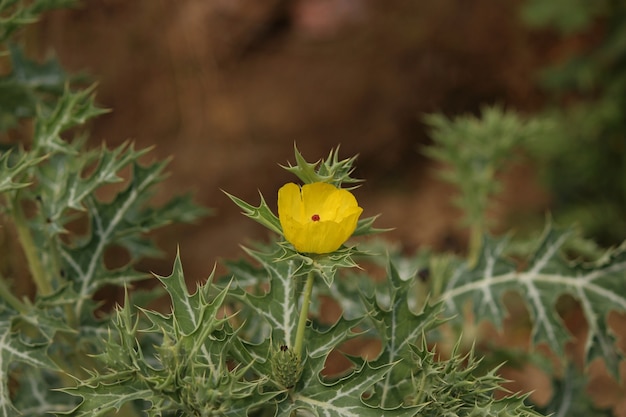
{"x": 227, "y": 87}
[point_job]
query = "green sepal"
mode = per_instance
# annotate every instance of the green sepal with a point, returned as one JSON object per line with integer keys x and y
{"x": 330, "y": 170}
{"x": 261, "y": 214}
{"x": 366, "y": 227}
{"x": 326, "y": 265}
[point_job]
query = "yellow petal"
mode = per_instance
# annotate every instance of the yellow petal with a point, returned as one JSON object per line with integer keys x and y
{"x": 290, "y": 210}
{"x": 317, "y": 218}
{"x": 319, "y": 237}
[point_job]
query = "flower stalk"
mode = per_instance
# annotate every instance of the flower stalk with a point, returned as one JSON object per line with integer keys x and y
{"x": 304, "y": 313}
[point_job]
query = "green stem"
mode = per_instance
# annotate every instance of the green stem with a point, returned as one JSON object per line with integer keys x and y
{"x": 10, "y": 298}
{"x": 304, "y": 312}
{"x": 30, "y": 250}
{"x": 475, "y": 243}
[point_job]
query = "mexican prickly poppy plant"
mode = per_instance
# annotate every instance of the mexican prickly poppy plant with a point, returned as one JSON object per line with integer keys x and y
{"x": 317, "y": 218}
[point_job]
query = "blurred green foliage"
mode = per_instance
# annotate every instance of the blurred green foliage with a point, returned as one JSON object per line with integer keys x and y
{"x": 474, "y": 151}
{"x": 15, "y": 14}
{"x": 583, "y": 159}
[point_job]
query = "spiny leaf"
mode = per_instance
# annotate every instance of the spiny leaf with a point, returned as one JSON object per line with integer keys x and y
{"x": 456, "y": 387}
{"x": 279, "y": 305}
{"x": 110, "y": 222}
{"x": 474, "y": 149}
{"x": 320, "y": 342}
{"x": 399, "y": 327}
{"x": 190, "y": 311}
{"x": 41, "y": 321}
{"x": 14, "y": 17}
{"x": 72, "y": 109}
{"x": 599, "y": 286}
{"x": 30, "y": 85}
{"x": 101, "y": 400}
{"x": 64, "y": 184}
{"x": 187, "y": 371}
{"x": 570, "y": 397}
{"x": 12, "y": 167}
{"x": 12, "y": 350}
{"x": 36, "y": 396}
{"x": 484, "y": 284}
{"x": 339, "y": 398}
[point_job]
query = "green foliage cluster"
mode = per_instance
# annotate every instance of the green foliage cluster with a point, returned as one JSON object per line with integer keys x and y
{"x": 543, "y": 269}
{"x": 247, "y": 343}
{"x": 48, "y": 180}
{"x": 474, "y": 149}
{"x": 232, "y": 335}
{"x": 583, "y": 158}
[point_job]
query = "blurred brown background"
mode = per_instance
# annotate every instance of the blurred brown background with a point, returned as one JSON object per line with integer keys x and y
{"x": 227, "y": 87}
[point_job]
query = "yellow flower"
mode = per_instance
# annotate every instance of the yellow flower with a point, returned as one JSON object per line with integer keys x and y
{"x": 317, "y": 218}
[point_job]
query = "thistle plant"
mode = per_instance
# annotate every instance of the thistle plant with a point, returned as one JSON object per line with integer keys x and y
{"x": 258, "y": 341}
{"x": 253, "y": 342}
{"x": 474, "y": 151}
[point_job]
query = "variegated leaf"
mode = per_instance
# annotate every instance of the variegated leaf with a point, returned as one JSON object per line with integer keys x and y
{"x": 600, "y": 287}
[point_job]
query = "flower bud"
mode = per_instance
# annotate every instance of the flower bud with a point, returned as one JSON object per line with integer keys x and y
{"x": 286, "y": 366}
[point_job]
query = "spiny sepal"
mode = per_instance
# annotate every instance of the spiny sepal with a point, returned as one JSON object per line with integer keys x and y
{"x": 366, "y": 227}
{"x": 330, "y": 170}
{"x": 325, "y": 265}
{"x": 261, "y": 214}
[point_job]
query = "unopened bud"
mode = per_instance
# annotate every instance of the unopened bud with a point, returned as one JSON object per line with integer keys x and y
{"x": 286, "y": 366}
